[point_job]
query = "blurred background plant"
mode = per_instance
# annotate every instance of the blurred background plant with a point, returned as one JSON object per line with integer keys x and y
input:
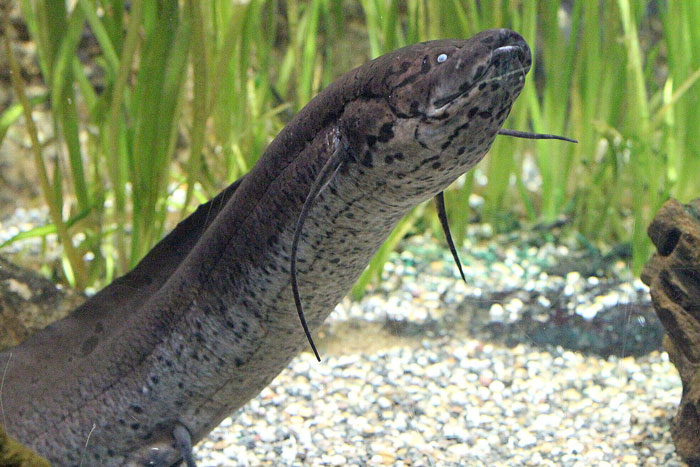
{"x": 180, "y": 97}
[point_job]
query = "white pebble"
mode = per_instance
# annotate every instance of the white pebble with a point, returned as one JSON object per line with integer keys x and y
{"x": 497, "y": 313}
{"x": 526, "y": 439}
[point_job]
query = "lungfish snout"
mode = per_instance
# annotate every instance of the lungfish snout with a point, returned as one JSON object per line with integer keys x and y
{"x": 511, "y": 47}
{"x": 511, "y": 50}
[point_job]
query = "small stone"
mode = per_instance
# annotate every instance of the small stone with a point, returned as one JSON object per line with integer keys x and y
{"x": 526, "y": 439}
{"x": 461, "y": 450}
{"x": 497, "y": 386}
{"x": 384, "y": 403}
{"x": 573, "y": 277}
{"x": 497, "y": 313}
{"x": 268, "y": 435}
{"x": 589, "y": 311}
{"x": 336, "y": 459}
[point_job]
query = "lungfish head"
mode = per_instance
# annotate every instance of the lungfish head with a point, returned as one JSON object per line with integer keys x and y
{"x": 429, "y": 112}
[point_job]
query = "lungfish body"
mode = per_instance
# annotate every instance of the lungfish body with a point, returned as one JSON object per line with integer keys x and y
{"x": 208, "y": 318}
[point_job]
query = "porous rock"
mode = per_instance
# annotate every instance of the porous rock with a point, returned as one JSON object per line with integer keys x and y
{"x": 29, "y": 302}
{"x": 673, "y": 276}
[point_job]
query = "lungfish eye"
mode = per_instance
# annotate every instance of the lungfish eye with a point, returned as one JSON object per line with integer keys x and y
{"x": 441, "y": 58}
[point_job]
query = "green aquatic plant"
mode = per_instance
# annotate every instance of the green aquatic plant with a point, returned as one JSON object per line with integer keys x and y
{"x": 190, "y": 93}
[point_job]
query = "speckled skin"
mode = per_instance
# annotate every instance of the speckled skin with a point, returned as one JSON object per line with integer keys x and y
{"x": 207, "y": 319}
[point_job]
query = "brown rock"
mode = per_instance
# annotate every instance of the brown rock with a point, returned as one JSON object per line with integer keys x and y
{"x": 673, "y": 275}
{"x": 29, "y": 302}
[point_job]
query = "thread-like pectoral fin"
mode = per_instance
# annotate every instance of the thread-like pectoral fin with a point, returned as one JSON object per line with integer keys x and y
{"x": 184, "y": 444}
{"x": 528, "y": 135}
{"x": 442, "y": 215}
{"x": 324, "y": 176}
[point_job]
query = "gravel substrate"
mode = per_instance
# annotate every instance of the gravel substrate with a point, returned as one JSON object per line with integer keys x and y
{"x": 412, "y": 375}
{"x": 549, "y": 355}
{"x": 456, "y": 402}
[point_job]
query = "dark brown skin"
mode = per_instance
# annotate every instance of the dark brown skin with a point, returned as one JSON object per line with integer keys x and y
{"x": 208, "y": 318}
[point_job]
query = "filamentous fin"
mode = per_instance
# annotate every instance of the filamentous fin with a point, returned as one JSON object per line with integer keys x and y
{"x": 442, "y": 215}
{"x": 323, "y": 177}
{"x": 183, "y": 440}
{"x": 528, "y": 135}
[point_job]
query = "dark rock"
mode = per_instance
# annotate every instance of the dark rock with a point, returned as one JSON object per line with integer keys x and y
{"x": 29, "y": 302}
{"x": 673, "y": 275}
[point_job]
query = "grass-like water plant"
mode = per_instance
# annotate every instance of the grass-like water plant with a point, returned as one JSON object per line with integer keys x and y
{"x": 190, "y": 93}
